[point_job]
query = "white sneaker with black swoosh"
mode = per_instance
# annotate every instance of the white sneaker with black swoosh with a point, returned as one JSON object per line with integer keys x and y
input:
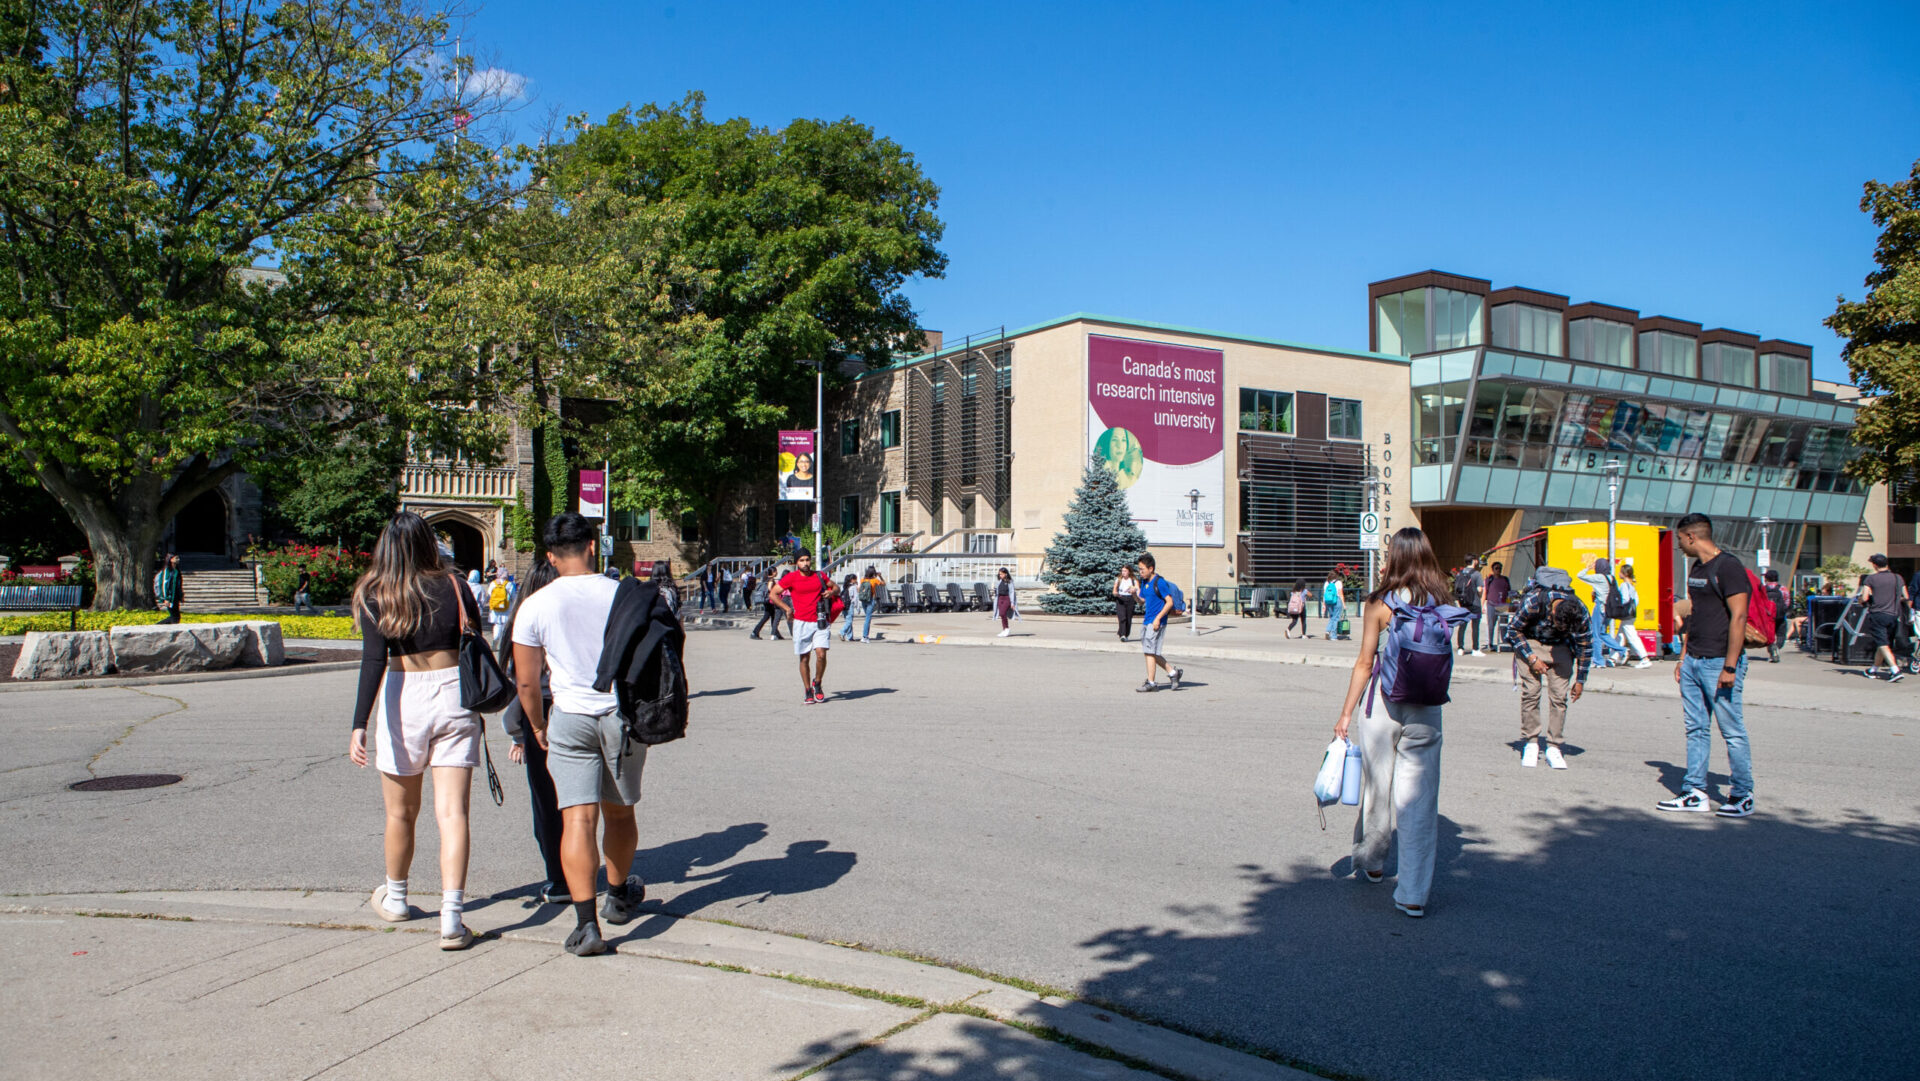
{"x": 1693, "y": 800}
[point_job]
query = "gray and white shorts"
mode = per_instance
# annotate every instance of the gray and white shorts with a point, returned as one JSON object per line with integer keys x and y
{"x": 1150, "y": 636}
{"x": 586, "y": 760}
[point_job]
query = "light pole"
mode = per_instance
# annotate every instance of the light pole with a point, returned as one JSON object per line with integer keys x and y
{"x": 1766, "y": 554}
{"x": 1612, "y": 467}
{"x": 819, "y": 459}
{"x": 1193, "y": 578}
{"x": 1372, "y": 486}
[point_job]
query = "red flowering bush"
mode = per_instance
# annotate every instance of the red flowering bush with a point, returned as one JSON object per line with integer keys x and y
{"x": 334, "y": 570}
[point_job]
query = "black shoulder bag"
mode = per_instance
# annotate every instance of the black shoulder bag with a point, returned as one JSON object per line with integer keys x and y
{"x": 484, "y": 687}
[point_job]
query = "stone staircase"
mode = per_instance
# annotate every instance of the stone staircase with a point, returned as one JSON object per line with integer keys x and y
{"x": 216, "y": 584}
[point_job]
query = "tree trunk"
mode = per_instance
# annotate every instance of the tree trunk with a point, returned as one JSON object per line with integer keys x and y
{"x": 123, "y": 563}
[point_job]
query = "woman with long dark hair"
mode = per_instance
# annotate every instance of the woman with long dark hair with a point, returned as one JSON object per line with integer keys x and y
{"x": 1297, "y": 609}
{"x": 1400, "y": 744}
{"x": 546, "y": 805}
{"x": 1126, "y": 594}
{"x": 1003, "y": 605}
{"x": 410, "y": 608}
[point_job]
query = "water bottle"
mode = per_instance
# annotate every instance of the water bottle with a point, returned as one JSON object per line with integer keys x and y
{"x": 1350, "y": 777}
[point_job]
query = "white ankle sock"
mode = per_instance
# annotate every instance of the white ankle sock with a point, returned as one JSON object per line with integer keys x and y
{"x": 397, "y": 896}
{"x": 451, "y": 902}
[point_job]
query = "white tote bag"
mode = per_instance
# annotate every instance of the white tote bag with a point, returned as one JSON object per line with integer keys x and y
{"x": 1326, "y": 783}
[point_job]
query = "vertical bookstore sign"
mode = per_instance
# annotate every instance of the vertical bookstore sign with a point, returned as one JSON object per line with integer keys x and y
{"x": 1156, "y": 418}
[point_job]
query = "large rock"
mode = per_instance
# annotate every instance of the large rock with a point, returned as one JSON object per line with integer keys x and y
{"x": 182, "y": 647}
{"x": 63, "y": 655}
{"x": 265, "y": 647}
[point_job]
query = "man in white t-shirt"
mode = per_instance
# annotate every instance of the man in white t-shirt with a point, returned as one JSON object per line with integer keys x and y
{"x": 595, "y": 767}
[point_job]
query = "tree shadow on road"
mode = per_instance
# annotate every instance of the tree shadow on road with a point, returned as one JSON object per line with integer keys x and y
{"x": 1623, "y": 944}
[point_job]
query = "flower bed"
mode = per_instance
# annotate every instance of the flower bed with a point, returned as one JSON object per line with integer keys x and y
{"x": 334, "y": 570}
{"x": 339, "y": 627}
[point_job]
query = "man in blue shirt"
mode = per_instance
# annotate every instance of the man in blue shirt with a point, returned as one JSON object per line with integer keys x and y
{"x": 1156, "y": 603}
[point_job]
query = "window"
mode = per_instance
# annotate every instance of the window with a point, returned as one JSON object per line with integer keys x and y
{"x": 1266, "y": 411}
{"x": 1669, "y": 354}
{"x": 849, "y": 437}
{"x": 1343, "y": 418}
{"x": 890, "y": 429}
{"x": 1723, "y": 362}
{"x": 633, "y": 525}
{"x": 1343, "y": 511}
{"x": 1527, "y": 328}
{"x": 850, "y": 513}
{"x": 1456, "y": 318}
{"x": 969, "y": 377}
{"x": 1402, "y": 319}
{"x": 1266, "y": 508}
{"x": 1785, "y": 374}
{"x": 689, "y": 526}
{"x": 889, "y": 512}
{"x": 752, "y": 526}
{"x": 1600, "y": 341}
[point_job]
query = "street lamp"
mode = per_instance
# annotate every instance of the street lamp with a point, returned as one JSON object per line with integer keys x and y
{"x": 1612, "y": 467}
{"x": 1766, "y": 555}
{"x": 1193, "y": 579}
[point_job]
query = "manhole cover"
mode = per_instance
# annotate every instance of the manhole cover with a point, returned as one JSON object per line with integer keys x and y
{"x": 123, "y": 782}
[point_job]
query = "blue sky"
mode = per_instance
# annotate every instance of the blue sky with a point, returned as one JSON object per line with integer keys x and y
{"x": 1250, "y": 167}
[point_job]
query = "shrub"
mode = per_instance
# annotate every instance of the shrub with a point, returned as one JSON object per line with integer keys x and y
{"x": 334, "y": 570}
{"x": 338, "y": 627}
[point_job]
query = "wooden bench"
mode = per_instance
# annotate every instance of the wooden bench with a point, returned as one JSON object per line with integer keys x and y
{"x": 43, "y": 599}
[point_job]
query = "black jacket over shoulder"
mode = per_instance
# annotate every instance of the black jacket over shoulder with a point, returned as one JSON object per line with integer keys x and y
{"x": 640, "y": 662}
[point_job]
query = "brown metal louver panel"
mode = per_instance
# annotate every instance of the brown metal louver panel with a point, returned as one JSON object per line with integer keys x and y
{"x": 920, "y": 451}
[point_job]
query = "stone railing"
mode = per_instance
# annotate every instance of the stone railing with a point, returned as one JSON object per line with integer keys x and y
{"x": 457, "y": 482}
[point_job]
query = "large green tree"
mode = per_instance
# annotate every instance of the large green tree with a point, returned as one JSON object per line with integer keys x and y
{"x": 1883, "y": 337}
{"x": 150, "y": 152}
{"x": 803, "y": 236}
{"x": 1097, "y": 538}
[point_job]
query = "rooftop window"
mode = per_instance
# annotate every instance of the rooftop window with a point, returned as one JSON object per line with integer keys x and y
{"x": 1669, "y": 354}
{"x": 1527, "y": 328}
{"x": 1600, "y": 341}
{"x": 1724, "y": 362}
{"x": 1784, "y": 373}
{"x": 1423, "y": 320}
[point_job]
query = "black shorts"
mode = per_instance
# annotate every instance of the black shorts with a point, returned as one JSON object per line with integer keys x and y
{"x": 1880, "y": 627}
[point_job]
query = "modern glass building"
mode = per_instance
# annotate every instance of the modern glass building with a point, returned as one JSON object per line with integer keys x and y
{"x": 1520, "y": 400}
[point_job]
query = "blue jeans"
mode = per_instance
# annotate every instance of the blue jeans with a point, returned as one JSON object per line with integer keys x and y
{"x": 1602, "y": 641}
{"x": 1335, "y": 612}
{"x": 853, "y": 613}
{"x": 1704, "y": 702}
{"x": 866, "y": 628}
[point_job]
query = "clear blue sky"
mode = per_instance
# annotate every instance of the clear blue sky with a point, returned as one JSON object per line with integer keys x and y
{"x": 1250, "y": 167}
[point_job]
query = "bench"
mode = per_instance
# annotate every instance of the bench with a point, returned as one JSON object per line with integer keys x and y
{"x": 43, "y": 599}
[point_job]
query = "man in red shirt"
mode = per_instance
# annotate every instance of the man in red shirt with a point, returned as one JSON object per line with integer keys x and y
{"x": 807, "y": 598}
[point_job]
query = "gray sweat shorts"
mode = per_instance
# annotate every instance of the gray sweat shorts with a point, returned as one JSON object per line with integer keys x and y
{"x": 586, "y": 760}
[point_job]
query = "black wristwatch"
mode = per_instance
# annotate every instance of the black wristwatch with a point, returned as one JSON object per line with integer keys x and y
{"x": 1730, "y": 669}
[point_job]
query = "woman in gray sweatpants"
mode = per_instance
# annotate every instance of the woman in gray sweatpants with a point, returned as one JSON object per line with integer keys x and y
{"x": 1399, "y": 744}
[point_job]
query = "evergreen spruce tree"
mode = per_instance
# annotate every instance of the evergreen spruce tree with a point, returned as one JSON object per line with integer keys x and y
{"x": 1099, "y": 537}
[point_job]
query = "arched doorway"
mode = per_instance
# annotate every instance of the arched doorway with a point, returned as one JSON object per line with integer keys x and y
{"x": 469, "y": 547}
{"x": 202, "y": 525}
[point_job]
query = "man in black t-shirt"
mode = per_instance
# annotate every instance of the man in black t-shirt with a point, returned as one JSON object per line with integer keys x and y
{"x": 1885, "y": 596}
{"x": 1712, "y": 669}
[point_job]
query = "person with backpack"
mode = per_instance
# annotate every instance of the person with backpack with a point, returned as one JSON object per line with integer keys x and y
{"x": 1625, "y": 607}
{"x": 807, "y": 597}
{"x": 1126, "y": 594}
{"x": 1600, "y": 579}
{"x": 1494, "y": 592}
{"x": 763, "y": 596}
{"x": 870, "y": 586}
{"x": 1159, "y": 599}
{"x": 303, "y": 593}
{"x": 595, "y": 766}
{"x": 1782, "y": 609}
{"x": 1296, "y": 609}
{"x": 1724, "y": 601}
{"x": 850, "y": 589}
{"x": 1549, "y": 637}
{"x": 726, "y": 587}
{"x": 167, "y": 588}
{"x": 1886, "y": 599}
{"x": 499, "y": 604}
{"x": 1333, "y": 603}
{"x": 1467, "y": 587}
{"x": 1406, "y": 661}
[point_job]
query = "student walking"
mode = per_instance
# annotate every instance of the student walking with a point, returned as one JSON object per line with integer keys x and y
{"x": 410, "y": 608}
{"x": 1886, "y": 599}
{"x": 870, "y": 586}
{"x": 807, "y": 598}
{"x": 1600, "y": 579}
{"x": 1003, "y": 605}
{"x": 303, "y": 593}
{"x": 1333, "y": 603}
{"x": 166, "y": 589}
{"x": 769, "y": 612}
{"x": 1629, "y": 633}
{"x": 726, "y": 587}
{"x": 1297, "y": 610}
{"x": 1782, "y": 614}
{"x": 1126, "y": 594}
{"x": 1713, "y": 669}
{"x": 1466, "y": 592}
{"x": 595, "y": 768}
{"x": 662, "y": 576}
{"x": 499, "y": 605}
{"x": 547, "y": 825}
{"x": 1406, "y": 623}
{"x": 849, "y": 588}
{"x": 1159, "y": 599}
{"x": 1550, "y": 637}
{"x": 1494, "y": 593}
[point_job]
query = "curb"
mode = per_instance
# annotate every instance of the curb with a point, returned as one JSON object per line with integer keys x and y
{"x": 770, "y": 954}
{"x": 220, "y": 676}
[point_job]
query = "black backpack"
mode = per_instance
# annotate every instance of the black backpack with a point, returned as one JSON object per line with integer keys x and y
{"x": 1617, "y": 606}
{"x": 650, "y": 682}
{"x": 1463, "y": 591}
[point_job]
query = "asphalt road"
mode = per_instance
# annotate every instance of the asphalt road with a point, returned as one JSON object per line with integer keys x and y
{"x": 1026, "y": 812}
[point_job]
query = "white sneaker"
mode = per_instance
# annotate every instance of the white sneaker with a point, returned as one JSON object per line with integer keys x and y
{"x": 1643, "y": 663}
{"x": 1530, "y": 755}
{"x": 1693, "y": 800}
{"x": 1554, "y": 759}
{"x": 1004, "y": 633}
{"x": 1476, "y": 653}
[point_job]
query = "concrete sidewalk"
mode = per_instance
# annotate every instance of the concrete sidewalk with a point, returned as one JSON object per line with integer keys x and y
{"x": 304, "y": 985}
{"x": 1799, "y": 681}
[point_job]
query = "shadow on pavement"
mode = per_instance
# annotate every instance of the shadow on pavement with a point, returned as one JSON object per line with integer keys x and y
{"x": 807, "y": 866}
{"x": 1625, "y": 944}
{"x": 863, "y": 692}
{"x": 720, "y": 693}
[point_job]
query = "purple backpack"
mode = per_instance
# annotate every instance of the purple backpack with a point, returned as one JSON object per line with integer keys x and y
{"x": 1416, "y": 656}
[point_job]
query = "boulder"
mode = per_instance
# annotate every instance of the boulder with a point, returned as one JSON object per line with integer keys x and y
{"x": 63, "y": 655}
{"x": 182, "y": 647}
{"x": 265, "y": 647}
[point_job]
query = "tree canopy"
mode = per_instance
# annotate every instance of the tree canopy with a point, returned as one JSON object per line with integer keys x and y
{"x": 150, "y": 152}
{"x": 1883, "y": 338}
